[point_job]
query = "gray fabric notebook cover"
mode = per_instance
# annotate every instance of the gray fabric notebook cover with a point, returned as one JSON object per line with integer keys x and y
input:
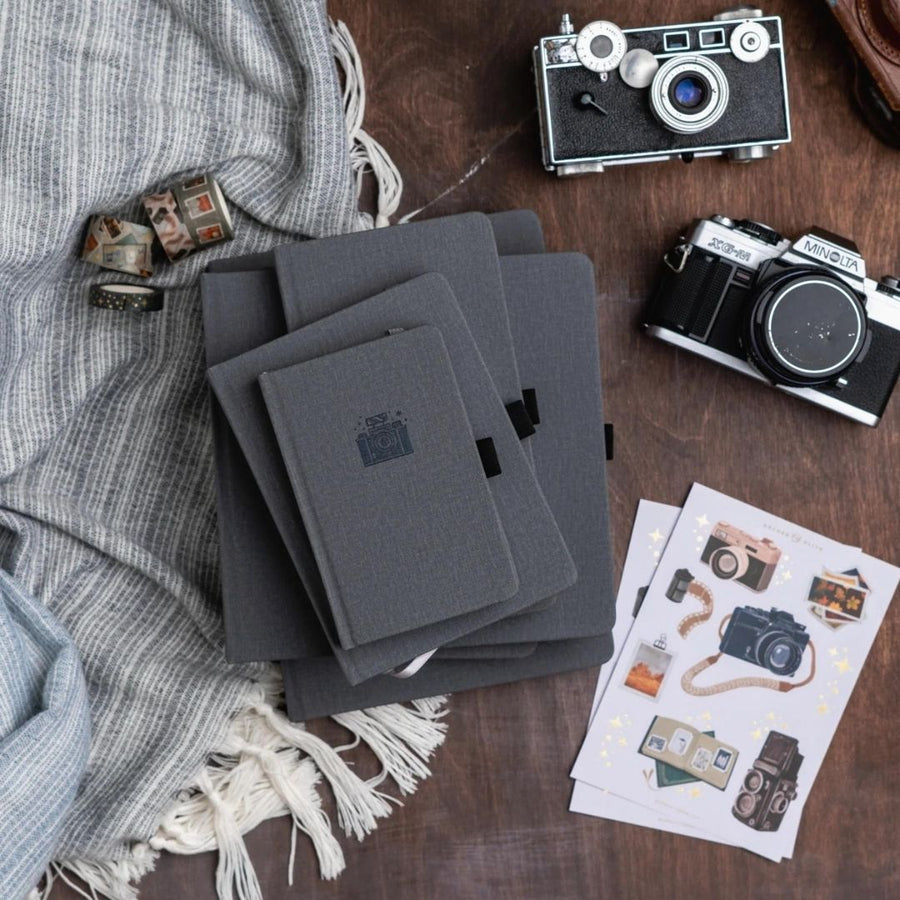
{"x": 265, "y": 607}
{"x": 318, "y": 278}
{"x": 392, "y": 491}
{"x": 316, "y": 687}
{"x": 556, "y": 345}
{"x": 533, "y": 535}
{"x": 489, "y": 651}
{"x": 515, "y": 231}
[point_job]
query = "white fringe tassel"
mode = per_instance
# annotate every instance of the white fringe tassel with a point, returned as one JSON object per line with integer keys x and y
{"x": 268, "y": 766}
{"x": 366, "y": 154}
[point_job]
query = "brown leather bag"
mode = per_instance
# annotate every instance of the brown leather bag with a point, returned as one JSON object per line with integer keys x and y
{"x": 873, "y": 27}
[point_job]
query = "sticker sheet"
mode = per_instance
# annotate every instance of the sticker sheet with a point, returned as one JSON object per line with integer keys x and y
{"x": 730, "y": 684}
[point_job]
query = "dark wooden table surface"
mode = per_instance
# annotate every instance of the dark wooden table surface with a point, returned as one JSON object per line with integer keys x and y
{"x": 450, "y": 95}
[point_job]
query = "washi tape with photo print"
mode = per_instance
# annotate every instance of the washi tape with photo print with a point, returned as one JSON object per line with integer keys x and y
{"x": 127, "y": 297}
{"x": 190, "y": 216}
{"x": 115, "y": 244}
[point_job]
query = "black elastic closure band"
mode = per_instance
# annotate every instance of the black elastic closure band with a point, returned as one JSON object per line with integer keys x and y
{"x": 529, "y": 396}
{"x": 518, "y": 415}
{"x": 609, "y": 438}
{"x": 489, "y": 459}
{"x": 127, "y": 297}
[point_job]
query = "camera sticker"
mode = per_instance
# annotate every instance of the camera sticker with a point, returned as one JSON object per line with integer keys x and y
{"x": 734, "y": 555}
{"x": 838, "y": 598}
{"x": 770, "y": 784}
{"x": 648, "y": 669}
{"x": 700, "y": 755}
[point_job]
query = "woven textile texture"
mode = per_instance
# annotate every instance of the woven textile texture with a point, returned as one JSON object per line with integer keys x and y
{"x": 44, "y": 735}
{"x": 107, "y": 510}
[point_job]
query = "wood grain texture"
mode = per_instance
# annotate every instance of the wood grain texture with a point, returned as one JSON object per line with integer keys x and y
{"x": 451, "y": 96}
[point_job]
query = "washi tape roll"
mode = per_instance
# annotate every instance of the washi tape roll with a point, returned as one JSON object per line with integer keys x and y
{"x": 115, "y": 244}
{"x": 190, "y": 216}
{"x": 127, "y": 297}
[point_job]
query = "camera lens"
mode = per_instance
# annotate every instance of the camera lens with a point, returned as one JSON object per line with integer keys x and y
{"x": 804, "y": 327}
{"x": 745, "y": 804}
{"x": 689, "y": 94}
{"x": 780, "y": 655}
{"x": 753, "y": 782}
{"x": 690, "y": 91}
{"x": 729, "y": 562}
{"x": 601, "y": 46}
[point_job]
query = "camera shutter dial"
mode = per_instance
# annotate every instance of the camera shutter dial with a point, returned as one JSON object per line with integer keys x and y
{"x": 600, "y": 46}
{"x": 750, "y": 42}
{"x": 805, "y": 328}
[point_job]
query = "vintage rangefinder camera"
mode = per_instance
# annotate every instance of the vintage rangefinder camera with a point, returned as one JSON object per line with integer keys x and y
{"x": 770, "y": 785}
{"x": 733, "y": 554}
{"x": 802, "y": 316}
{"x": 771, "y": 639}
{"x": 383, "y": 440}
{"x": 608, "y": 96}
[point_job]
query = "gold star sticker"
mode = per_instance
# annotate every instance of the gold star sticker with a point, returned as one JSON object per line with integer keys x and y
{"x": 756, "y": 734}
{"x": 706, "y": 716}
{"x": 616, "y": 722}
{"x": 702, "y": 520}
{"x": 695, "y": 792}
{"x": 842, "y": 665}
{"x": 623, "y": 742}
{"x": 822, "y": 708}
{"x": 603, "y": 754}
{"x": 656, "y": 535}
{"x": 787, "y": 575}
{"x": 770, "y": 716}
{"x": 832, "y": 651}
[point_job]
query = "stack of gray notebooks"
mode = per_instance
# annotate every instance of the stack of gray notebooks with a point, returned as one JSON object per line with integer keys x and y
{"x": 410, "y": 460}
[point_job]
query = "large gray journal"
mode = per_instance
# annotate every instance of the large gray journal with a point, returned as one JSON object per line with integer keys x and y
{"x": 389, "y": 482}
{"x": 542, "y": 560}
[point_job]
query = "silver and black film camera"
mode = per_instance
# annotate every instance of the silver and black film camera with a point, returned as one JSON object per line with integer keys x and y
{"x": 800, "y": 315}
{"x": 770, "y": 785}
{"x": 773, "y": 640}
{"x": 608, "y": 96}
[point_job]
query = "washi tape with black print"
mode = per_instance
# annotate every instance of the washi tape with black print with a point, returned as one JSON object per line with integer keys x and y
{"x": 115, "y": 244}
{"x": 127, "y": 297}
{"x": 190, "y": 216}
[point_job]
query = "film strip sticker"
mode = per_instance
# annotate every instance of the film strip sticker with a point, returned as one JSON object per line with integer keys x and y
{"x": 190, "y": 216}
{"x": 127, "y": 297}
{"x": 122, "y": 246}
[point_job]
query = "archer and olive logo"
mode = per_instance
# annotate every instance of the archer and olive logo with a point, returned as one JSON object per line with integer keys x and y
{"x": 383, "y": 438}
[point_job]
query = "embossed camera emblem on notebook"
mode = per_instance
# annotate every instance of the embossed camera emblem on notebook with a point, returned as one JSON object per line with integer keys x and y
{"x": 383, "y": 439}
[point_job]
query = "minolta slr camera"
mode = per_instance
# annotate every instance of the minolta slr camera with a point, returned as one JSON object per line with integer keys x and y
{"x": 734, "y": 555}
{"x": 802, "y": 316}
{"x": 770, "y": 785}
{"x": 608, "y": 96}
{"x": 772, "y": 640}
{"x": 383, "y": 440}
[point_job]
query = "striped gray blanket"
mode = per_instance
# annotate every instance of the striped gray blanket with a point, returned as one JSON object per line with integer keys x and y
{"x": 107, "y": 512}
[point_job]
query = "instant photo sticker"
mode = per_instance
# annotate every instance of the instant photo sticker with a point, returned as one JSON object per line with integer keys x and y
{"x": 199, "y": 181}
{"x": 210, "y": 233}
{"x": 648, "y": 669}
{"x": 838, "y": 599}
